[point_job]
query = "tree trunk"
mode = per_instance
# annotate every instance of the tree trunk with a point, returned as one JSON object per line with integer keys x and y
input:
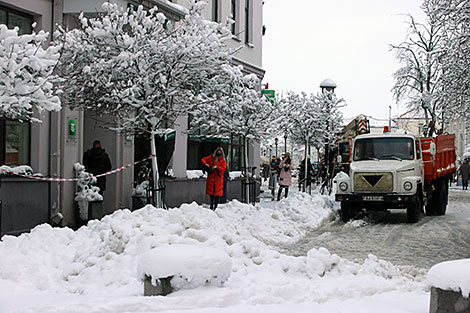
{"x": 156, "y": 178}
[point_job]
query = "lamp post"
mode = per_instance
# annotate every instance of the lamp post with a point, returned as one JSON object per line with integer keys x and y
{"x": 328, "y": 88}
{"x": 275, "y": 142}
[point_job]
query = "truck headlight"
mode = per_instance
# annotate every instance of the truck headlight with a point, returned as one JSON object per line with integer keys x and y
{"x": 407, "y": 185}
{"x": 343, "y": 186}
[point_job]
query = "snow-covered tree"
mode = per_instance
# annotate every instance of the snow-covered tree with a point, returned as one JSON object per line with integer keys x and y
{"x": 141, "y": 67}
{"x": 417, "y": 81}
{"x": 231, "y": 105}
{"x": 310, "y": 119}
{"x": 26, "y": 76}
{"x": 453, "y": 18}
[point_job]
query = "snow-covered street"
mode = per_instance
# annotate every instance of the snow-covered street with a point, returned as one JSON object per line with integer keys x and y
{"x": 95, "y": 268}
{"x": 432, "y": 240}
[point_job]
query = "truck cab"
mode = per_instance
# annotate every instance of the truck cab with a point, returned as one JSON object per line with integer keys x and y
{"x": 386, "y": 172}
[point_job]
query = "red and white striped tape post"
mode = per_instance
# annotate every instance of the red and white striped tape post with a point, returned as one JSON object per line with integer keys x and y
{"x": 56, "y": 179}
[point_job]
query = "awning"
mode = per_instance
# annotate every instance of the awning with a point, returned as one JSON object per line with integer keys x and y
{"x": 166, "y": 134}
{"x": 206, "y": 138}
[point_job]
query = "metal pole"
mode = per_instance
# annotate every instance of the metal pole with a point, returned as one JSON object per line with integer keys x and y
{"x": 285, "y": 143}
{"x": 390, "y": 118}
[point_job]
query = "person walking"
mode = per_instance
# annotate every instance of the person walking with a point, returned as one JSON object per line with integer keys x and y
{"x": 285, "y": 175}
{"x": 96, "y": 161}
{"x": 215, "y": 166}
{"x": 273, "y": 167}
{"x": 464, "y": 171}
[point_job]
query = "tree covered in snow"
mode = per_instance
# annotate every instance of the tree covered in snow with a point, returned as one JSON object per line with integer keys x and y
{"x": 417, "y": 82}
{"x": 310, "y": 119}
{"x": 230, "y": 104}
{"x": 453, "y": 18}
{"x": 140, "y": 66}
{"x": 26, "y": 76}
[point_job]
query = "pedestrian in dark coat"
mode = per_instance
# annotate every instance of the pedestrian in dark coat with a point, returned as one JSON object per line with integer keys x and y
{"x": 285, "y": 175}
{"x": 464, "y": 171}
{"x": 215, "y": 166}
{"x": 96, "y": 161}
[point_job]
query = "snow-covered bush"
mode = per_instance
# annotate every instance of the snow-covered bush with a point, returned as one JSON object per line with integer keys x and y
{"x": 26, "y": 74}
{"x": 86, "y": 192}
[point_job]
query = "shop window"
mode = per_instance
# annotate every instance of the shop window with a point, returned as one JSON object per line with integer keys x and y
{"x": 13, "y": 18}
{"x": 15, "y": 142}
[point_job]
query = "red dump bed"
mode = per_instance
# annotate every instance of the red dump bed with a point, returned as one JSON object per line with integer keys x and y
{"x": 443, "y": 161}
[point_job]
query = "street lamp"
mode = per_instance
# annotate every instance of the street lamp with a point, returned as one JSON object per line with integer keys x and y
{"x": 328, "y": 88}
{"x": 275, "y": 142}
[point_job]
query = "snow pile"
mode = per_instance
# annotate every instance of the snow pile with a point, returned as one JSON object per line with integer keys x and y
{"x": 22, "y": 169}
{"x": 97, "y": 264}
{"x": 235, "y": 174}
{"x": 451, "y": 275}
{"x": 190, "y": 265}
{"x": 195, "y": 174}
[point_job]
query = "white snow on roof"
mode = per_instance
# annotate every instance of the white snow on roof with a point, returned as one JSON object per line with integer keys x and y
{"x": 328, "y": 83}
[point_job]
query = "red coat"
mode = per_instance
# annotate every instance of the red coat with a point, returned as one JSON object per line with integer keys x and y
{"x": 215, "y": 180}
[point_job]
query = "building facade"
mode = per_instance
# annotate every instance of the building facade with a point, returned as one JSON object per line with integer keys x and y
{"x": 55, "y": 145}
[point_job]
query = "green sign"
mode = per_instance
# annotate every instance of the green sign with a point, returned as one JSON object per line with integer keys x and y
{"x": 269, "y": 94}
{"x": 72, "y": 128}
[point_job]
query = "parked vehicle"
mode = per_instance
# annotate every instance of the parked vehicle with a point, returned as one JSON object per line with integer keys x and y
{"x": 397, "y": 171}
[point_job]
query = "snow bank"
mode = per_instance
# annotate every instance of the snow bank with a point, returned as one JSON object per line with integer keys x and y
{"x": 451, "y": 275}
{"x": 194, "y": 174}
{"x": 96, "y": 268}
{"x": 190, "y": 265}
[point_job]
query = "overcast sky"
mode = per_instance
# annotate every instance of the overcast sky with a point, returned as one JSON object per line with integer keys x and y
{"x": 348, "y": 41}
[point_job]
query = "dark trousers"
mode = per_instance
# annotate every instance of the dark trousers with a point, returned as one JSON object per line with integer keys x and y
{"x": 214, "y": 202}
{"x": 464, "y": 184}
{"x": 279, "y": 192}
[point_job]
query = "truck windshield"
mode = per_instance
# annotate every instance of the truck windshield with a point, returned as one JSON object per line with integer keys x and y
{"x": 391, "y": 148}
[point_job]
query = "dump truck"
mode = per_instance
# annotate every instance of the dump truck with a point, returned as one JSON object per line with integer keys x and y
{"x": 397, "y": 171}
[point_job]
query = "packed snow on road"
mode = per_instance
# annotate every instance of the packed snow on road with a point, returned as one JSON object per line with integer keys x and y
{"x": 96, "y": 268}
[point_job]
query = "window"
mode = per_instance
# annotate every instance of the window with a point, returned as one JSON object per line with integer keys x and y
{"x": 234, "y": 13}
{"x": 14, "y": 142}
{"x": 394, "y": 148}
{"x": 13, "y": 18}
{"x": 216, "y": 11}
{"x": 248, "y": 38}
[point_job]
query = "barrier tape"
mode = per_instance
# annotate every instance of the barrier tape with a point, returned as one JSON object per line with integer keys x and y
{"x": 79, "y": 178}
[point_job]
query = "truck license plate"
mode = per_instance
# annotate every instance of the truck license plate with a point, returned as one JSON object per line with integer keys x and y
{"x": 372, "y": 198}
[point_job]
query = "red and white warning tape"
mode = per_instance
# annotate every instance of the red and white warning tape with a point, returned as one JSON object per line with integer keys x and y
{"x": 57, "y": 179}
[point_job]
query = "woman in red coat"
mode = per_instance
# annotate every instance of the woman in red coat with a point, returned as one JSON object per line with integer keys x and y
{"x": 215, "y": 166}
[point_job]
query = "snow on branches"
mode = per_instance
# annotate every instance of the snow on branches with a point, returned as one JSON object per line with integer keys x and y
{"x": 310, "y": 117}
{"x": 230, "y": 105}
{"x": 141, "y": 67}
{"x": 26, "y": 76}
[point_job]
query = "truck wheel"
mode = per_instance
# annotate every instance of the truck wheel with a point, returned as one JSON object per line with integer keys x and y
{"x": 412, "y": 212}
{"x": 441, "y": 193}
{"x": 346, "y": 212}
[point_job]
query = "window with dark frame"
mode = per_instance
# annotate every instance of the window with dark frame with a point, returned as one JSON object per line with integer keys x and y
{"x": 15, "y": 136}
{"x": 215, "y": 11}
{"x": 13, "y": 18}
{"x": 233, "y": 10}
{"x": 247, "y": 22}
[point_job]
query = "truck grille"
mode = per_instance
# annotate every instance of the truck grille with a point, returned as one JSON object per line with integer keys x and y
{"x": 373, "y": 182}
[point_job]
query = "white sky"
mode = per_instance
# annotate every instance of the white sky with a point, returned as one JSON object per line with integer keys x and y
{"x": 348, "y": 41}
